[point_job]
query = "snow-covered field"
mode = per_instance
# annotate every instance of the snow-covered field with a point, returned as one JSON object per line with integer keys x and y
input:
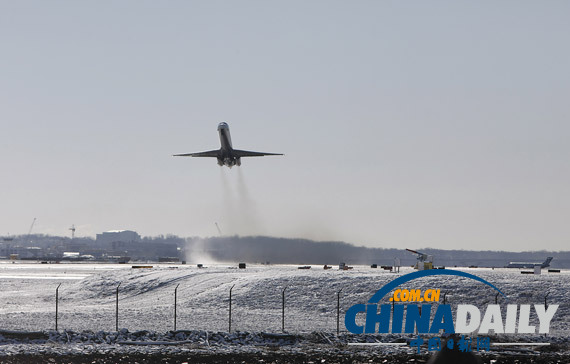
{"x": 146, "y": 297}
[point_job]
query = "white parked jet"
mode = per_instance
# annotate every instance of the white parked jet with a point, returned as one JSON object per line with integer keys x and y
{"x": 544, "y": 264}
{"x": 226, "y": 155}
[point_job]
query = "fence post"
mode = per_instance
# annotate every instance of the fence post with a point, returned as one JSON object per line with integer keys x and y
{"x": 546, "y": 305}
{"x": 175, "y": 294}
{"x": 57, "y": 304}
{"x": 338, "y": 312}
{"x": 230, "y": 318}
{"x": 117, "y": 308}
{"x": 283, "y": 310}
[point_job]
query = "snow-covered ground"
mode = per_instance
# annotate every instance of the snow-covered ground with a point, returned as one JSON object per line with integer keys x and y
{"x": 146, "y": 295}
{"x": 146, "y": 301}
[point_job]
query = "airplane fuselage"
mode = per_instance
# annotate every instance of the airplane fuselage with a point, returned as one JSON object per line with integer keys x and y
{"x": 226, "y": 156}
{"x": 544, "y": 264}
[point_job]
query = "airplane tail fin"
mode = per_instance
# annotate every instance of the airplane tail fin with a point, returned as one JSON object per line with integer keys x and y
{"x": 547, "y": 262}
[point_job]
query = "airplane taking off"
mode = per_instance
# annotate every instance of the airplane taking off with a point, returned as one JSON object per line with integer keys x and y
{"x": 226, "y": 155}
{"x": 544, "y": 264}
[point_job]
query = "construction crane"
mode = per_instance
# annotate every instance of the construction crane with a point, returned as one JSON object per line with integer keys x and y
{"x": 219, "y": 231}
{"x": 425, "y": 261}
{"x": 31, "y": 227}
{"x": 30, "y": 231}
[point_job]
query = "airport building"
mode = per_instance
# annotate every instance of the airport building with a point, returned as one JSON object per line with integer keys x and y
{"x": 114, "y": 236}
{"x": 128, "y": 243}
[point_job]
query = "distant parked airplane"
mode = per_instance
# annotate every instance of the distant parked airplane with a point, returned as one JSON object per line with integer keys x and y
{"x": 544, "y": 264}
{"x": 226, "y": 155}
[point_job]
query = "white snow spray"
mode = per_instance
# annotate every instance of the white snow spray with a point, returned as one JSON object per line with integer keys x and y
{"x": 197, "y": 251}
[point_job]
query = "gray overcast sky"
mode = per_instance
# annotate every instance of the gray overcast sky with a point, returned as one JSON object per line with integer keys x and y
{"x": 404, "y": 124}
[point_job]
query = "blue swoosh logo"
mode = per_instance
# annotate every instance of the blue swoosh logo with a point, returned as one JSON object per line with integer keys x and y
{"x": 425, "y": 273}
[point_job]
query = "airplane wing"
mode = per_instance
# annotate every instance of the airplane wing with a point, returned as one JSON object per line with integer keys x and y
{"x": 210, "y": 153}
{"x": 247, "y": 153}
